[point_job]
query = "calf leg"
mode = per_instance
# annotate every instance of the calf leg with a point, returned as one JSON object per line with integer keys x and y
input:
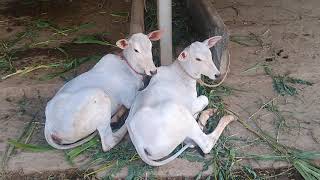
{"x": 98, "y": 113}
{"x": 108, "y": 138}
{"x": 204, "y": 116}
{"x": 121, "y": 111}
{"x": 206, "y": 142}
{"x": 202, "y": 121}
{"x": 199, "y": 104}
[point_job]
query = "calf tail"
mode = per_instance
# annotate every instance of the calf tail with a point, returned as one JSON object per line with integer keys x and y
{"x": 53, "y": 142}
{"x": 145, "y": 157}
{"x": 144, "y": 154}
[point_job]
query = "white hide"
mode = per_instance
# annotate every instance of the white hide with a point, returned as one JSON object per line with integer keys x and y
{"x": 87, "y": 102}
{"x": 163, "y": 115}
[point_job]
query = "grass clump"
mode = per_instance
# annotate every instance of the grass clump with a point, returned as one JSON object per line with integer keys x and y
{"x": 113, "y": 161}
{"x": 91, "y": 40}
{"x": 45, "y": 24}
{"x": 9, "y": 48}
{"x": 21, "y": 142}
{"x": 282, "y": 84}
{"x": 280, "y": 121}
{"x": 68, "y": 65}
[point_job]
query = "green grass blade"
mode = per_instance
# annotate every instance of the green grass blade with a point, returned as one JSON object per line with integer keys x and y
{"x": 91, "y": 40}
{"x": 79, "y": 150}
{"x": 305, "y": 171}
{"x": 30, "y": 147}
{"x": 310, "y": 155}
{"x": 120, "y": 14}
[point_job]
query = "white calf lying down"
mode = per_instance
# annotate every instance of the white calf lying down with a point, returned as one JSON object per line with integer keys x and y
{"x": 163, "y": 115}
{"x": 86, "y": 103}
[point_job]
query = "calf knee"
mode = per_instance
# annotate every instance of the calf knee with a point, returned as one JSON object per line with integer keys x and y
{"x": 204, "y": 100}
{"x": 207, "y": 149}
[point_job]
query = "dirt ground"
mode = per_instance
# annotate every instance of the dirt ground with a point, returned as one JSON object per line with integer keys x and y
{"x": 291, "y": 47}
{"x": 290, "y": 42}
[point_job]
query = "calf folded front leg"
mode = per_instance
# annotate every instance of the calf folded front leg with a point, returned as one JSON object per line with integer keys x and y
{"x": 199, "y": 104}
{"x": 204, "y": 116}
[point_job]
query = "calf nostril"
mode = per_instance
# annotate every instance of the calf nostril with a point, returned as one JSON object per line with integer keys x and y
{"x": 217, "y": 75}
{"x": 153, "y": 72}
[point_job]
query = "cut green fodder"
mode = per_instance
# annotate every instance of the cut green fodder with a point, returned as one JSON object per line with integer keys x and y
{"x": 250, "y": 40}
{"x": 8, "y": 49}
{"x": 26, "y": 70}
{"x": 29, "y": 147}
{"x": 282, "y": 84}
{"x": 215, "y": 97}
{"x": 89, "y": 39}
{"x": 6, "y": 57}
{"x": 120, "y": 16}
{"x": 224, "y": 157}
{"x": 71, "y": 64}
{"x": 280, "y": 121}
{"x": 65, "y": 31}
{"x": 67, "y": 66}
{"x": 22, "y": 140}
{"x": 301, "y": 160}
{"x": 113, "y": 161}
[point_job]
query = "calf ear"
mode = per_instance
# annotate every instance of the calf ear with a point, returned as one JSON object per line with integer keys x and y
{"x": 122, "y": 43}
{"x": 212, "y": 41}
{"x": 155, "y": 35}
{"x": 182, "y": 56}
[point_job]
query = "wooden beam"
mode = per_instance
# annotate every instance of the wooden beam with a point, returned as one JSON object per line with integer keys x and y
{"x": 137, "y": 17}
{"x": 165, "y": 23}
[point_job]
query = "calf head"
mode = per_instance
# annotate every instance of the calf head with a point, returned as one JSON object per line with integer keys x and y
{"x": 197, "y": 59}
{"x": 137, "y": 50}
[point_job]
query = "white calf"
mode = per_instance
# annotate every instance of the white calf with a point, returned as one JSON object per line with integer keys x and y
{"x": 163, "y": 115}
{"x": 86, "y": 103}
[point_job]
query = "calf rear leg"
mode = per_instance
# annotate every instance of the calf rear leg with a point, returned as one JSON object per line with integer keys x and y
{"x": 206, "y": 142}
{"x": 108, "y": 138}
{"x": 101, "y": 117}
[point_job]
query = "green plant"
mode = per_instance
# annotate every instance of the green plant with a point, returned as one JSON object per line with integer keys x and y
{"x": 91, "y": 40}
{"x": 282, "y": 83}
{"x": 122, "y": 155}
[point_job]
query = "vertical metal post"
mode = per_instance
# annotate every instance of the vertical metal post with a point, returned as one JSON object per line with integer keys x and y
{"x": 165, "y": 23}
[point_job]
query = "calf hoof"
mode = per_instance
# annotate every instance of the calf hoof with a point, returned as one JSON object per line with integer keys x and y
{"x": 210, "y": 111}
{"x": 229, "y": 118}
{"x": 106, "y": 148}
{"x": 205, "y": 115}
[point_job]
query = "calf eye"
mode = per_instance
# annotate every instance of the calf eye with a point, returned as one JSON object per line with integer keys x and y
{"x": 198, "y": 59}
{"x": 136, "y": 50}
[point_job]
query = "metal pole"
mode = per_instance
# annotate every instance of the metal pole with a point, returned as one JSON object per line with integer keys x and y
{"x": 165, "y": 23}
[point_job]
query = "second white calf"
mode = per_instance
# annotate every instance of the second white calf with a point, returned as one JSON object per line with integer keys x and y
{"x": 163, "y": 115}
